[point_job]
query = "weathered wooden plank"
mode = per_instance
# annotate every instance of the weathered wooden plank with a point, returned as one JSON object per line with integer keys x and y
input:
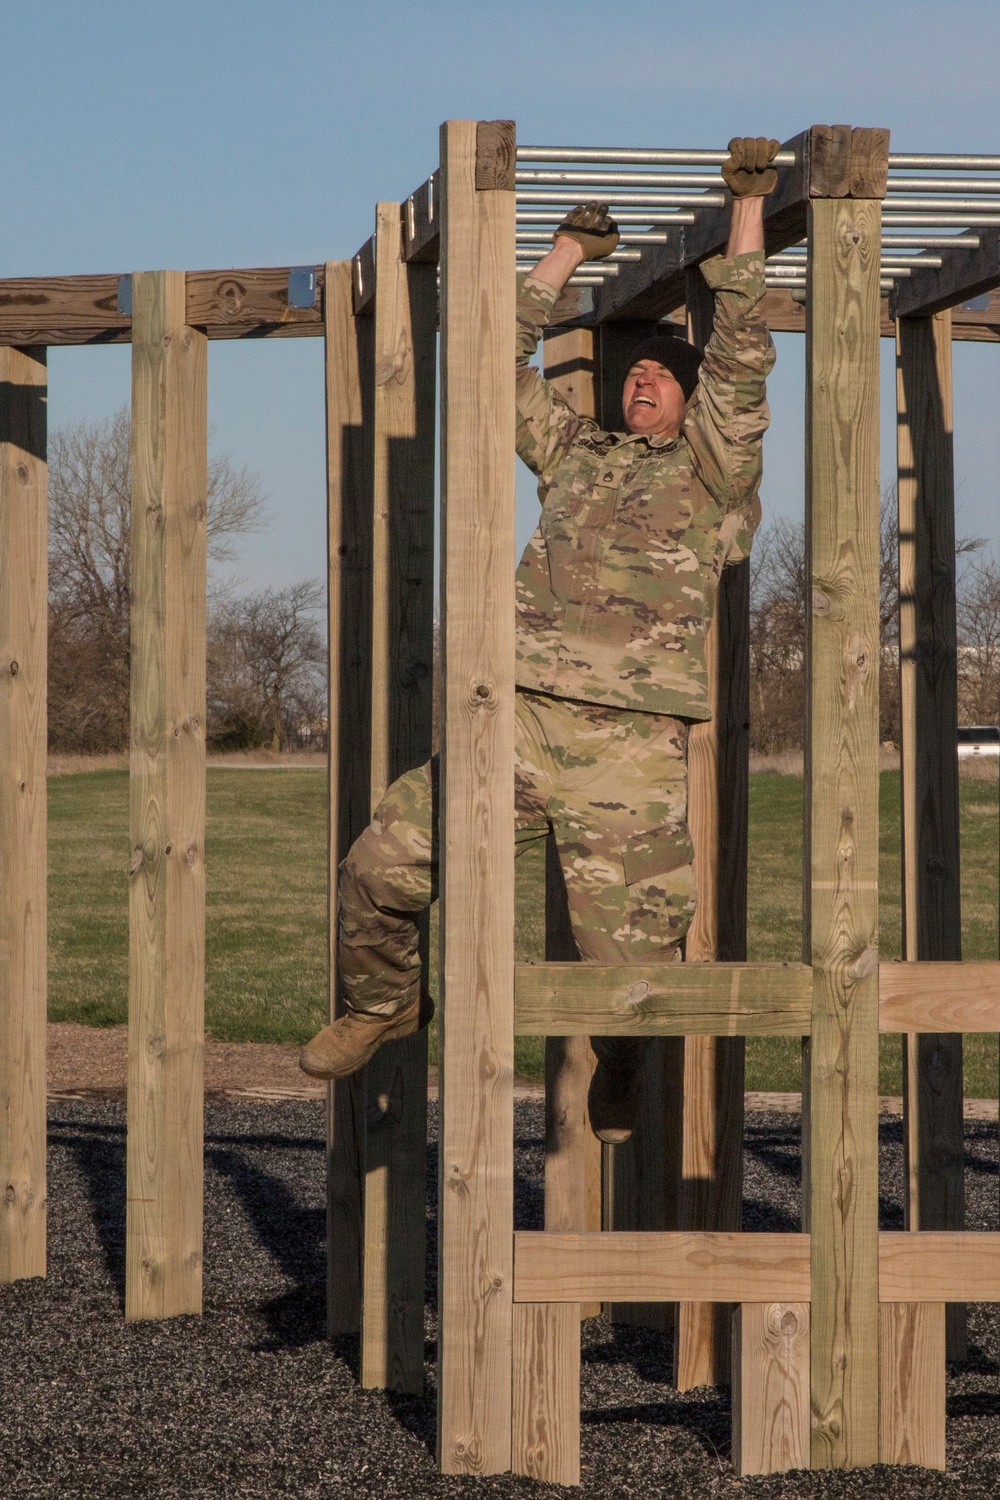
{"x": 496, "y": 151}
{"x": 655, "y": 285}
{"x": 911, "y": 1401}
{"x": 830, "y": 161}
{"x": 632, "y": 1266}
{"x": 939, "y": 997}
{"x": 167, "y": 825}
{"x": 663, "y": 999}
{"x": 422, "y": 221}
{"x": 23, "y": 897}
{"x": 477, "y": 875}
{"x": 546, "y": 1408}
{"x": 965, "y": 274}
{"x": 770, "y": 1387}
{"x": 928, "y": 671}
{"x": 711, "y": 1188}
{"x": 247, "y": 303}
{"x": 939, "y": 1266}
{"x": 405, "y": 319}
{"x": 350, "y": 388}
{"x": 841, "y": 850}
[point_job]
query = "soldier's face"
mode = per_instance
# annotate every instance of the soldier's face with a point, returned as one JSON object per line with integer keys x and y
{"x": 652, "y": 400}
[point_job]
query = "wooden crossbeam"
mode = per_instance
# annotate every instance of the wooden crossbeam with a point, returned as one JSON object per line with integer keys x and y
{"x": 584, "y": 999}
{"x": 939, "y": 997}
{"x": 939, "y": 1266}
{"x": 716, "y": 999}
{"x": 633, "y": 1266}
{"x": 964, "y": 275}
{"x": 222, "y": 304}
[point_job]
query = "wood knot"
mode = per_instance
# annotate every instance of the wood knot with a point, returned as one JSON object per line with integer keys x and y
{"x": 231, "y": 296}
{"x": 191, "y": 853}
{"x": 865, "y": 963}
{"x": 23, "y": 474}
{"x": 821, "y": 605}
{"x": 637, "y": 992}
{"x": 15, "y": 667}
{"x": 482, "y": 691}
{"x": 135, "y": 863}
{"x": 789, "y": 1324}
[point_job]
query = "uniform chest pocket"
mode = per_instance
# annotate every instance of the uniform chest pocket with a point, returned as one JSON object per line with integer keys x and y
{"x": 656, "y": 852}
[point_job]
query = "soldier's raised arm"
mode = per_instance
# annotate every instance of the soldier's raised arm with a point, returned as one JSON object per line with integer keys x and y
{"x": 729, "y": 415}
{"x": 546, "y": 424}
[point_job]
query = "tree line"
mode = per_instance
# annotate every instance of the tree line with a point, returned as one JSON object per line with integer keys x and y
{"x": 266, "y": 648}
{"x": 778, "y": 639}
{"x": 267, "y": 653}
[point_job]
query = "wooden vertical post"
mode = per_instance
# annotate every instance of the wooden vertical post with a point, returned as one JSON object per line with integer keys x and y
{"x": 770, "y": 1387}
{"x": 477, "y": 797}
{"x": 167, "y": 867}
{"x": 572, "y": 1151}
{"x": 349, "y": 386}
{"x": 392, "y": 1344}
{"x": 911, "y": 1383}
{"x": 840, "y": 897}
{"x": 928, "y": 657}
{"x": 711, "y": 1188}
{"x": 23, "y": 954}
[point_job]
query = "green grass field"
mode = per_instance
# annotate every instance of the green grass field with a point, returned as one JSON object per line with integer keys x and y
{"x": 266, "y": 935}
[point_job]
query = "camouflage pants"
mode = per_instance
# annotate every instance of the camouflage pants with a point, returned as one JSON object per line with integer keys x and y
{"x": 612, "y": 785}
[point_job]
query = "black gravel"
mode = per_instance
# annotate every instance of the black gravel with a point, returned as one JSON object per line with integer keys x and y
{"x": 251, "y": 1400}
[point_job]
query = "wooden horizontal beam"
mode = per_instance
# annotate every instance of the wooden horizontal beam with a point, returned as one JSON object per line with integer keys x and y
{"x": 421, "y": 221}
{"x": 939, "y": 997}
{"x": 630, "y": 1266}
{"x": 655, "y": 285}
{"x": 234, "y": 304}
{"x": 584, "y": 999}
{"x": 965, "y": 274}
{"x": 939, "y": 1266}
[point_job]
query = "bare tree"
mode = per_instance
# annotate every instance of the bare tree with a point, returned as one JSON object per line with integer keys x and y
{"x": 267, "y": 668}
{"x": 90, "y": 571}
{"x": 778, "y": 634}
{"x": 979, "y": 643}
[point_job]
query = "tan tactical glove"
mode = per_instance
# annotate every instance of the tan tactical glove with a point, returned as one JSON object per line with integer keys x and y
{"x": 748, "y": 172}
{"x": 592, "y": 227}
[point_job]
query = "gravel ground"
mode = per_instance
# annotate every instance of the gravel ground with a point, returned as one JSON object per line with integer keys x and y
{"x": 252, "y": 1401}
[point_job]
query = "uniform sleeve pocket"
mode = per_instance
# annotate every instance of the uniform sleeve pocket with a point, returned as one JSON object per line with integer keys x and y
{"x": 656, "y": 852}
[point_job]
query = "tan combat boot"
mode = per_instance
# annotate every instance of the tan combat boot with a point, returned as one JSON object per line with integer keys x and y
{"x": 346, "y": 1045}
{"x": 612, "y": 1102}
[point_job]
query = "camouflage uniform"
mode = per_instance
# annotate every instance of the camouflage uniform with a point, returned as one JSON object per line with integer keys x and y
{"x": 614, "y": 595}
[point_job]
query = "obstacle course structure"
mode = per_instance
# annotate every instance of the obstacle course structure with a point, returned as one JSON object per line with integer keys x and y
{"x": 654, "y": 1230}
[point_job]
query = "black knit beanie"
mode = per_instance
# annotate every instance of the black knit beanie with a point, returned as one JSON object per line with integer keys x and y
{"x": 677, "y": 355}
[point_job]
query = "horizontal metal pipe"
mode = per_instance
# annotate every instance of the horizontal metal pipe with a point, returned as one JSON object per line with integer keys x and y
{"x": 626, "y": 154}
{"x": 943, "y": 185}
{"x": 627, "y": 237}
{"x": 941, "y": 205}
{"x": 620, "y": 179}
{"x": 798, "y": 258}
{"x": 942, "y": 241}
{"x": 946, "y": 162}
{"x": 622, "y": 216}
{"x": 626, "y": 199}
{"x": 601, "y": 268}
{"x": 618, "y": 255}
{"x": 940, "y": 221}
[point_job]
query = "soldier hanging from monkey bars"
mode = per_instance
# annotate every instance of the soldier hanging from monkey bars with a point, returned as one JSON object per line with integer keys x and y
{"x": 614, "y": 595}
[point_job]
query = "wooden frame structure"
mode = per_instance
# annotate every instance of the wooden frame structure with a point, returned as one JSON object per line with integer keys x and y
{"x": 812, "y": 1384}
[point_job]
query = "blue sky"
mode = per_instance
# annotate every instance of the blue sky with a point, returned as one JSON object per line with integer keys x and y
{"x": 215, "y": 134}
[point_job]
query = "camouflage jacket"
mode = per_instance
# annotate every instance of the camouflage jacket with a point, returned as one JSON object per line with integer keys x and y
{"x": 616, "y": 588}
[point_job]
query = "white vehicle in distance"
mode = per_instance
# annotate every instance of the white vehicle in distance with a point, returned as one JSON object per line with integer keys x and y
{"x": 978, "y": 739}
